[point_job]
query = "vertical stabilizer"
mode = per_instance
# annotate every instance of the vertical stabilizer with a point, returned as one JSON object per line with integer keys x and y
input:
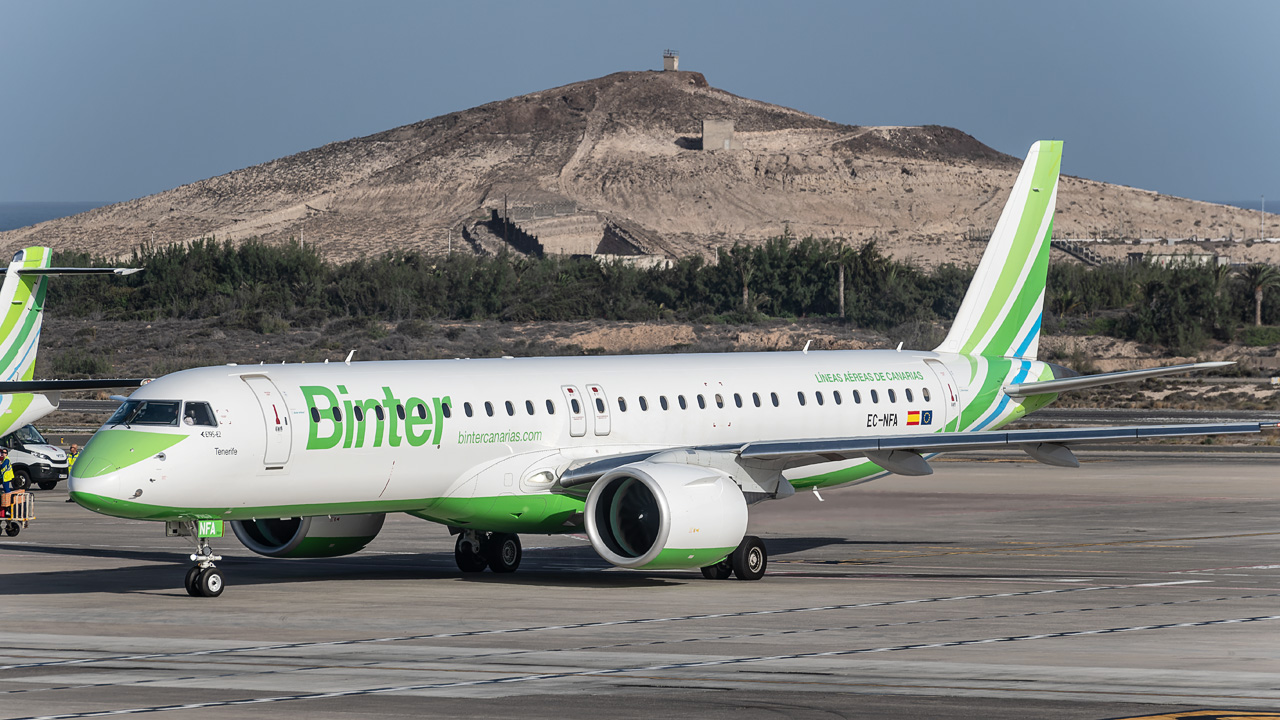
{"x": 22, "y": 302}
{"x": 1001, "y": 312}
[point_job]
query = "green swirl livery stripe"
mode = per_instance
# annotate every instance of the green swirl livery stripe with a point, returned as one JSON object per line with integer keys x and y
{"x": 1028, "y": 303}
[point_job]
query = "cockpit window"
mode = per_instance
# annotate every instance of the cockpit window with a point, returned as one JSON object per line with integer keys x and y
{"x": 146, "y": 412}
{"x": 198, "y": 413}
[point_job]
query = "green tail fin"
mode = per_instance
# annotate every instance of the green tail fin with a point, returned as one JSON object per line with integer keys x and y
{"x": 22, "y": 303}
{"x": 1001, "y": 312}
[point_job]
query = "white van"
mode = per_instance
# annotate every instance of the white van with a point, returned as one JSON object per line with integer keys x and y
{"x": 34, "y": 459}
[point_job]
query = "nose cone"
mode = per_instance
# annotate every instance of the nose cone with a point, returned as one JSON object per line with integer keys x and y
{"x": 96, "y": 476}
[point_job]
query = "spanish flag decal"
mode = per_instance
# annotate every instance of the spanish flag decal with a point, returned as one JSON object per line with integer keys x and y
{"x": 919, "y": 417}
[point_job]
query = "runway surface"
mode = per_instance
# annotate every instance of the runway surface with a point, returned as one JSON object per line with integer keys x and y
{"x": 1139, "y": 584}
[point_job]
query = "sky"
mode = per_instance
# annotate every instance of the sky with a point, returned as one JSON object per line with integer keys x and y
{"x": 111, "y": 101}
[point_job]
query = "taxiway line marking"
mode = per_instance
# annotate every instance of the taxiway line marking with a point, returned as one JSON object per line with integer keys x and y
{"x": 648, "y": 668}
{"x": 573, "y": 626}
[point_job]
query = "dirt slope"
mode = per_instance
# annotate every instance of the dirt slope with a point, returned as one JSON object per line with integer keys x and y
{"x": 627, "y": 148}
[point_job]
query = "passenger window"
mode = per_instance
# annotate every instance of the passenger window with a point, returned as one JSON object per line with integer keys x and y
{"x": 835, "y": 395}
{"x": 755, "y": 398}
{"x": 644, "y": 404}
{"x": 377, "y": 410}
{"x": 400, "y": 411}
{"x": 683, "y": 404}
{"x": 488, "y": 408}
{"x": 551, "y": 408}
{"x": 875, "y": 397}
{"x": 800, "y": 397}
{"x": 892, "y": 398}
{"x": 857, "y": 397}
{"x": 599, "y": 406}
{"x": 924, "y": 392}
{"x": 702, "y": 404}
{"x": 720, "y": 401}
{"x": 577, "y": 409}
{"x": 199, "y": 413}
{"x": 528, "y": 406}
{"x": 445, "y": 410}
{"x": 337, "y": 414}
{"x": 774, "y": 397}
{"x": 662, "y": 400}
{"x": 622, "y": 404}
{"x": 422, "y": 411}
{"x": 817, "y": 395}
{"x": 315, "y": 415}
{"x": 358, "y": 412}
{"x": 511, "y": 409}
{"x": 466, "y": 408}
{"x": 909, "y": 398}
{"x": 737, "y": 399}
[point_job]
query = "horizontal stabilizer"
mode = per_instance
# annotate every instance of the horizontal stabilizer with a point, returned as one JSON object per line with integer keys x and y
{"x": 1080, "y": 382}
{"x": 73, "y": 271}
{"x": 35, "y": 386}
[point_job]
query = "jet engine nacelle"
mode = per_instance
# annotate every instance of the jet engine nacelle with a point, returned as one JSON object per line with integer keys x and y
{"x": 309, "y": 537}
{"x": 665, "y": 516}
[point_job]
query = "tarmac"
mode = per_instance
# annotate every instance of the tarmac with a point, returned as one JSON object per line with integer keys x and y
{"x": 1139, "y": 584}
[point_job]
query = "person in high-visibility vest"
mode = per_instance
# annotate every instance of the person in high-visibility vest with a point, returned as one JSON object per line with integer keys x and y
{"x": 72, "y": 453}
{"x": 6, "y": 482}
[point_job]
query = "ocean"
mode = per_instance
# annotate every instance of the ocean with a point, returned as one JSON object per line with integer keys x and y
{"x": 14, "y": 215}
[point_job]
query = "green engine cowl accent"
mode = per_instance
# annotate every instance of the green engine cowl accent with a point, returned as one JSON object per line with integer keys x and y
{"x": 309, "y": 537}
{"x": 679, "y": 559}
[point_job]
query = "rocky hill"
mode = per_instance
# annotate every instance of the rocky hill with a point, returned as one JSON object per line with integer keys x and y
{"x": 616, "y": 165}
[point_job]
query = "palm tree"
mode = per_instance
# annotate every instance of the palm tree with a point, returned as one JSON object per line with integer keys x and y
{"x": 1260, "y": 278}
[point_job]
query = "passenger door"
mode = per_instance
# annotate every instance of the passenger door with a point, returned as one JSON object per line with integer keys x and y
{"x": 950, "y": 392}
{"x": 275, "y": 420}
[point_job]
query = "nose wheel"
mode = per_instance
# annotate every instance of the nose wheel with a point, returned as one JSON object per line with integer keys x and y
{"x": 203, "y": 579}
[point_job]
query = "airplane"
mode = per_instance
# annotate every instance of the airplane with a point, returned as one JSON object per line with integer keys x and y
{"x": 23, "y": 399}
{"x": 657, "y": 458}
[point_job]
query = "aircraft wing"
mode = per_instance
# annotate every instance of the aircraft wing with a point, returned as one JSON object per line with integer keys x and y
{"x": 35, "y": 386}
{"x": 903, "y": 454}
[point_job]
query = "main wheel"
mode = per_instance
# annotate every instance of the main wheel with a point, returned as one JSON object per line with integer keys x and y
{"x": 12, "y": 529}
{"x": 209, "y": 582}
{"x": 190, "y": 582}
{"x": 720, "y": 571}
{"x": 468, "y": 560}
{"x": 21, "y": 480}
{"x": 47, "y": 484}
{"x": 750, "y": 559}
{"x": 503, "y": 552}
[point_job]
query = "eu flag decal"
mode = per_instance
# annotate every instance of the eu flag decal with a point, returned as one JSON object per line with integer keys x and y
{"x": 926, "y": 417}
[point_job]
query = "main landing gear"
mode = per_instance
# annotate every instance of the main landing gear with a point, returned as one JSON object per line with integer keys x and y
{"x": 748, "y": 561}
{"x": 203, "y": 579}
{"x": 475, "y": 550}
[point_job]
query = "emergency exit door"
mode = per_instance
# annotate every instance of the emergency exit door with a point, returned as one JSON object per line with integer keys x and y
{"x": 950, "y": 392}
{"x": 275, "y": 419}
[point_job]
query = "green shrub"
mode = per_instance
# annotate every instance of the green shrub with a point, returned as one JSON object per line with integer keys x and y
{"x": 1259, "y": 336}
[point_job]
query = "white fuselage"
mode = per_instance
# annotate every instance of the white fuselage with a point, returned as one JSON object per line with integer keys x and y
{"x": 417, "y": 435}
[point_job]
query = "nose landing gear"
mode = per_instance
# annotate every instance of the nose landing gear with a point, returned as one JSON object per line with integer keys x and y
{"x": 203, "y": 579}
